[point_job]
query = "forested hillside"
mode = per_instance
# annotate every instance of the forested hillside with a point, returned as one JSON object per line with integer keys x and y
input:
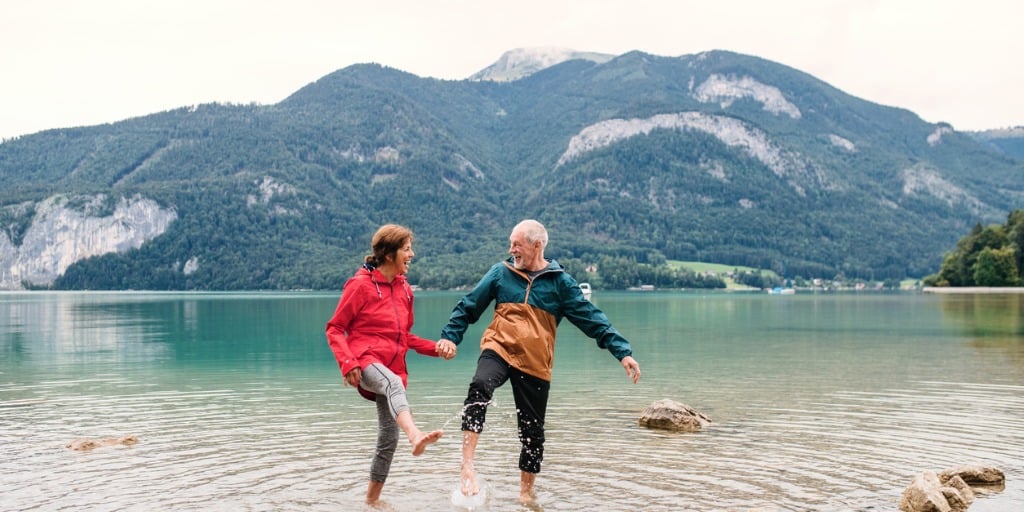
{"x": 715, "y": 157}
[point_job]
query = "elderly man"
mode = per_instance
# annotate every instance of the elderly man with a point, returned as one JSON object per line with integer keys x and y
{"x": 531, "y": 294}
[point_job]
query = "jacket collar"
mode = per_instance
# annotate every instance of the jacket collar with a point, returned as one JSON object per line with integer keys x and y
{"x": 378, "y": 279}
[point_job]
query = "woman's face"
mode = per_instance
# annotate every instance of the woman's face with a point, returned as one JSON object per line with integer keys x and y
{"x": 403, "y": 256}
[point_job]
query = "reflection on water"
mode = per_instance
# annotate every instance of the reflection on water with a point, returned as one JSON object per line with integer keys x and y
{"x": 993, "y": 321}
{"x": 825, "y": 402}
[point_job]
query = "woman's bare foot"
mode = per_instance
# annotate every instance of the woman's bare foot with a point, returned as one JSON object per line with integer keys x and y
{"x": 470, "y": 487}
{"x": 373, "y": 492}
{"x": 420, "y": 442}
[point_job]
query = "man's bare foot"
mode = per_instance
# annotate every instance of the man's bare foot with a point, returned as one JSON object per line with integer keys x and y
{"x": 380, "y": 505}
{"x": 470, "y": 486}
{"x": 527, "y": 498}
{"x": 423, "y": 439}
{"x": 527, "y": 493}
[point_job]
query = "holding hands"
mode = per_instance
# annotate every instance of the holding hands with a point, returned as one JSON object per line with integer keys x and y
{"x": 446, "y": 349}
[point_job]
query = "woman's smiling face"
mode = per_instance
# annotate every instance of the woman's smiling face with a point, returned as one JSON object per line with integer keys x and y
{"x": 403, "y": 257}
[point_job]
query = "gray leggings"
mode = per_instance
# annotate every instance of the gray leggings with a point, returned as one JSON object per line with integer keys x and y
{"x": 391, "y": 400}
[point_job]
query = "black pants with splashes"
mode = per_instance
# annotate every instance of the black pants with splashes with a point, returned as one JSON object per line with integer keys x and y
{"x": 531, "y": 397}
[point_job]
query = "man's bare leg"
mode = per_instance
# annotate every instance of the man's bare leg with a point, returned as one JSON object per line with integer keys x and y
{"x": 526, "y": 494}
{"x": 417, "y": 438}
{"x": 470, "y": 486}
{"x": 373, "y": 492}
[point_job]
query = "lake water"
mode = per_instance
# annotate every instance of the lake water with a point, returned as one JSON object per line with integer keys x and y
{"x": 825, "y": 402}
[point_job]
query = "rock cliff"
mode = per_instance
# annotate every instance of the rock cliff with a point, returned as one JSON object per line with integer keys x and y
{"x": 60, "y": 235}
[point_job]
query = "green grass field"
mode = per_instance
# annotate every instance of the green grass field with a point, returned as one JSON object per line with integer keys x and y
{"x": 717, "y": 268}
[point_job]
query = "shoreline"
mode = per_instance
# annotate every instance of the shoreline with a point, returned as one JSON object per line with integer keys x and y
{"x": 949, "y": 290}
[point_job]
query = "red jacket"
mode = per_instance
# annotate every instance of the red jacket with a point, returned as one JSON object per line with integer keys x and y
{"x": 372, "y": 324}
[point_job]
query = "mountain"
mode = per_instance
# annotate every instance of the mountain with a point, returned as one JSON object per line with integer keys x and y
{"x": 716, "y": 156}
{"x": 522, "y": 62}
{"x": 1009, "y": 141}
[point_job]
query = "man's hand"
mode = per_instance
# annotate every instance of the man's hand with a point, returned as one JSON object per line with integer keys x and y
{"x": 446, "y": 349}
{"x": 353, "y": 377}
{"x": 632, "y": 368}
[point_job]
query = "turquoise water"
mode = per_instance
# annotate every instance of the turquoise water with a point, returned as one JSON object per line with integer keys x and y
{"x": 820, "y": 402}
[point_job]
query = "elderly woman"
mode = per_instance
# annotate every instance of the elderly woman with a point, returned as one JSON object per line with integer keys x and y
{"x": 370, "y": 334}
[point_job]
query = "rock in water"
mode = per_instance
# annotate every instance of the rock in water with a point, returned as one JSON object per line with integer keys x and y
{"x": 89, "y": 444}
{"x": 668, "y": 414}
{"x": 927, "y": 493}
{"x": 975, "y": 474}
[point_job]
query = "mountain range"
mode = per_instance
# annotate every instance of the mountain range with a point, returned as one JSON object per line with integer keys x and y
{"x": 716, "y": 156}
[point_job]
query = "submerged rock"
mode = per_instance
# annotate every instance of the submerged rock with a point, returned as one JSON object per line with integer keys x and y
{"x": 668, "y": 414}
{"x": 89, "y": 444}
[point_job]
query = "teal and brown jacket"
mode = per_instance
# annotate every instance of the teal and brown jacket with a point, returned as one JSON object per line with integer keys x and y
{"x": 526, "y": 316}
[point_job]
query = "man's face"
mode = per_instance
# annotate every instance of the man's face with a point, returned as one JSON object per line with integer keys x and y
{"x": 524, "y": 254}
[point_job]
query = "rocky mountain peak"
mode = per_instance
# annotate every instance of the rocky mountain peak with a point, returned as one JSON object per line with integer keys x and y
{"x": 522, "y": 62}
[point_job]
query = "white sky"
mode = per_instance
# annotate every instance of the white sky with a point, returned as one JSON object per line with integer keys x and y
{"x": 67, "y": 63}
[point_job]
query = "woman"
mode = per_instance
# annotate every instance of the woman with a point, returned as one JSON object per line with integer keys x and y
{"x": 370, "y": 334}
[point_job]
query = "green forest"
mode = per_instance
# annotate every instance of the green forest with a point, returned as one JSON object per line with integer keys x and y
{"x": 987, "y": 256}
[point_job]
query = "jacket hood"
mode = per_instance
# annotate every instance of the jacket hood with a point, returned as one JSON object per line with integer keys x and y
{"x": 378, "y": 278}
{"x": 552, "y": 264}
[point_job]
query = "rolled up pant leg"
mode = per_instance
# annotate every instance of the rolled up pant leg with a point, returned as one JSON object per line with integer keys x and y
{"x": 531, "y": 396}
{"x": 491, "y": 372}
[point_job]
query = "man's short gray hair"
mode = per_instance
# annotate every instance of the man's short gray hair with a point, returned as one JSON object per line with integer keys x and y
{"x": 534, "y": 232}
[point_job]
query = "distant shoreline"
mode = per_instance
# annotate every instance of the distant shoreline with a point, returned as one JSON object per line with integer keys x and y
{"x": 972, "y": 289}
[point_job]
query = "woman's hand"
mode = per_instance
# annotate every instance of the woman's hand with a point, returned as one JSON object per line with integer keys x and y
{"x": 353, "y": 377}
{"x": 446, "y": 349}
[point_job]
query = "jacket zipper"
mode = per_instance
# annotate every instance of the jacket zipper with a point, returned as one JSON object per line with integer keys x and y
{"x": 398, "y": 323}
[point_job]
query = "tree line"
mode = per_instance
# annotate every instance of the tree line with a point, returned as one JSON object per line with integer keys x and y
{"x": 987, "y": 256}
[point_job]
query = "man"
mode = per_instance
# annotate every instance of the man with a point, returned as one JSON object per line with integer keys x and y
{"x": 531, "y": 294}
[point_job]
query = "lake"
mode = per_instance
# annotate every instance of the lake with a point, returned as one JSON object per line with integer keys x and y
{"x": 828, "y": 402}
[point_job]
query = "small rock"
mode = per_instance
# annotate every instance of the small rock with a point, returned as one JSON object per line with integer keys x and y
{"x": 974, "y": 474}
{"x": 668, "y": 414}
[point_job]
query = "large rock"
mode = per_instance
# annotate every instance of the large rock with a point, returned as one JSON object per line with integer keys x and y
{"x": 671, "y": 415}
{"x": 950, "y": 490}
{"x": 926, "y": 494}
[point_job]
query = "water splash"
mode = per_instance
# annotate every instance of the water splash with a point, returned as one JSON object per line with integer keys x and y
{"x": 462, "y": 412}
{"x": 475, "y": 503}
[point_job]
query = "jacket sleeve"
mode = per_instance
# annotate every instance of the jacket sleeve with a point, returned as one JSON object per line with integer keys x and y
{"x": 589, "y": 319}
{"x": 423, "y": 345}
{"x": 338, "y": 327}
{"x": 471, "y": 306}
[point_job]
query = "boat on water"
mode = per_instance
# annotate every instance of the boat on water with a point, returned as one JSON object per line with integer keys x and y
{"x": 779, "y": 290}
{"x": 587, "y": 290}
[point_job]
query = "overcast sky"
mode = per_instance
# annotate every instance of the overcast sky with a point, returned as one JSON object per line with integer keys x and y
{"x": 70, "y": 63}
